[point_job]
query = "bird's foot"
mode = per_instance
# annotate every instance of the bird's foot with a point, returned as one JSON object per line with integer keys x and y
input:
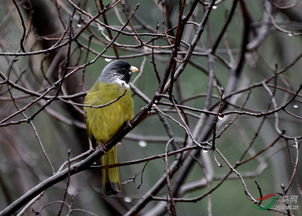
{"x": 102, "y": 147}
{"x": 128, "y": 123}
{"x": 91, "y": 147}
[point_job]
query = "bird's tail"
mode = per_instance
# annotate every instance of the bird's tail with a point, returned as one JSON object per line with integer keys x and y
{"x": 111, "y": 183}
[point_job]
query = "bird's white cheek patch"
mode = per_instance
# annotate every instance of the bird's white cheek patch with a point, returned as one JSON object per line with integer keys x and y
{"x": 122, "y": 83}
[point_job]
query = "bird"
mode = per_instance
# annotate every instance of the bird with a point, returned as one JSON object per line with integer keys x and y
{"x": 108, "y": 105}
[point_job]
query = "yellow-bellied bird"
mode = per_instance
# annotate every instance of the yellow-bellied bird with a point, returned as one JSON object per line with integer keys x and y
{"x": 110, "y": 105}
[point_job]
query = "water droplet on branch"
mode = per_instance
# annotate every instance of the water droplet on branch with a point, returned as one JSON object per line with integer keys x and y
{"x": 127, "y": 199}
{"x": 142, "y": 143}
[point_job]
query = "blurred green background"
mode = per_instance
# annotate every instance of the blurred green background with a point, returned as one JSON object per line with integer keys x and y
{"x": 61, "y": 128}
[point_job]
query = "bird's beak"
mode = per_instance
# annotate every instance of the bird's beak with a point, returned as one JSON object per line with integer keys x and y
{"x": 134, "y": 69}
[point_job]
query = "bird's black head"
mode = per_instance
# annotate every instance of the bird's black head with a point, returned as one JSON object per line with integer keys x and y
{"x": 117, "y": 71}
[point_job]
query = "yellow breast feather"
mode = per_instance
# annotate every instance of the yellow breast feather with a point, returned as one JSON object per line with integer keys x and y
{"x": 102, "y": 123}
